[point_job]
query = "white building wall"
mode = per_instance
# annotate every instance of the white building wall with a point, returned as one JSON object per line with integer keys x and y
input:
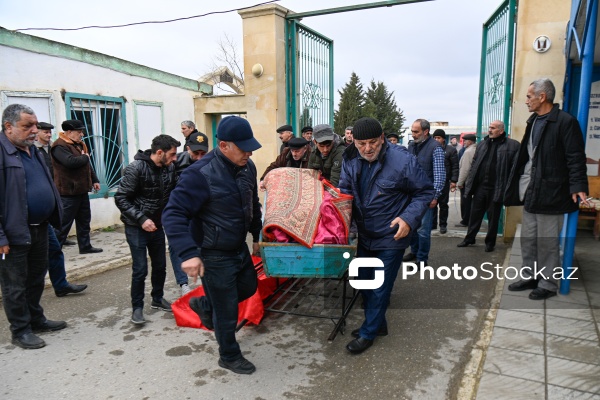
{"x": 25, "y": 71}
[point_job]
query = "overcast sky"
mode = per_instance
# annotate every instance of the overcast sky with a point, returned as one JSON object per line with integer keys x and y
{"x": 427, "y": 53}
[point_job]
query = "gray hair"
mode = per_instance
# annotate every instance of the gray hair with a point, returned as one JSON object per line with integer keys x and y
{"x": 349, "y": 128}
{"x": 424, "y": 124}
{"x": 189, "y": 124}
{"x": 544, "y": 85}
{"x": 500, "y": 125}
{"x": 12, "y": 113}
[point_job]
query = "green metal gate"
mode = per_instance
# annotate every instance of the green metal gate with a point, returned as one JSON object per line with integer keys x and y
{"x": 309, "y": 75}
{"x": 495, "y": 82}
{"x": 497, "y": 54}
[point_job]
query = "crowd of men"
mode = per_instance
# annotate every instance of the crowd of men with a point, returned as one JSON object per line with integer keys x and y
{"x": 206, "y": 202}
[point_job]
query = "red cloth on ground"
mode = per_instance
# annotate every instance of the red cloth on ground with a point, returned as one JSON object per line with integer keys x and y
{"x": 251, "y": 309}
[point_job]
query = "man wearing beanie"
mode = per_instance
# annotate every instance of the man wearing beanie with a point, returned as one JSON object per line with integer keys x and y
{"x": 486, "y": 182}
{"x": 451, "y": 166}
{"x": 219, "y": 195}
{"x": 327, "y": 155}
{"x": 391, "y": 194}
{"x": 307, "y": 133}
{"x": 296, "y": 155}
{"x": 431, "y": 158}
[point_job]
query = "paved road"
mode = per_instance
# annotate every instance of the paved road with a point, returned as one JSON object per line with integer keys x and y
{"x": 101, "y": 355}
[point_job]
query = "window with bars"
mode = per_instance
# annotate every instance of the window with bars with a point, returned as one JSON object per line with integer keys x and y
{"x": 105, "y": 136}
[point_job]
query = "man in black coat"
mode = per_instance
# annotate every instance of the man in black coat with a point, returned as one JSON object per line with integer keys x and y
{"x": 486, "y": 182}
{"x": 141, "y": 197}
{"x": 548, "y": 179}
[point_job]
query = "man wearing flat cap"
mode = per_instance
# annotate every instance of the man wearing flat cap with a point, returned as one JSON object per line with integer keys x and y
{"x": 56, "y": 257}
{"x": 307, "y": 133}
{"x": 464, "y": 166}
{"x": 391, "y": 194}
{"x": 492, "y": 163}
{"x": 296, "y": 155}
{"x": 393, "y": 138}
{"x": 285, "y": 135}
{"x": 219, "y": 195}
{"x": 74, "y": 177}
{"x": 327, "y": 156}
{"x": 451, "y": 166}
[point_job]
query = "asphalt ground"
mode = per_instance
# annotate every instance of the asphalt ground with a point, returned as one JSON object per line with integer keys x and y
{"x": 433, "y": 327}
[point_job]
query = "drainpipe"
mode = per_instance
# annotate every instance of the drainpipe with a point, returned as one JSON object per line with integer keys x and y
{"x": 585, "y": 86}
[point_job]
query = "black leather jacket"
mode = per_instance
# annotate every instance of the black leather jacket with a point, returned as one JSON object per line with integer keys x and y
{"x": 144, "y": 190}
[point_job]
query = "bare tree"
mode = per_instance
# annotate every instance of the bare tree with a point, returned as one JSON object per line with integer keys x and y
{"x": 227, "y": 67}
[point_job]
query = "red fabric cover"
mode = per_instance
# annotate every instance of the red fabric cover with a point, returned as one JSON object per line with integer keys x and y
{"x": 250, "y": 309}
{"x": 302, "y": 208}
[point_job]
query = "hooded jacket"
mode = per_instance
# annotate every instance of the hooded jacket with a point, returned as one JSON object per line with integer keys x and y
{"x": 331, "y": 166}
{"x": 144, "y": 190}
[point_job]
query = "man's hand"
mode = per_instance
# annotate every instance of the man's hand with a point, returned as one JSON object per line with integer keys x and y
{"x": 255, "y": 249}
{"x": 403, "y": 228}
{"x": 149, "y": 226}
{"x": 96, "y": 186}
{"x": 4, "y": 249}
{"x": 194, "y": 268}
{"x": 453, "y": 186}
{"x": 433, "y": 203}
{"x": 582, "y": 196}
{"x": 261, "y": 186}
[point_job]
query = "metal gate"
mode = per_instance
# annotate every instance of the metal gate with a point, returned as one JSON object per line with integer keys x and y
{"x": 309, "y": 75}
{"x": 105, "y": 136}
{"x": 497, "y": 55}
{"x": 495, "y": 84}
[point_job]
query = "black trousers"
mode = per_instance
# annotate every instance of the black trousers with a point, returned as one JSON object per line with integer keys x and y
{"x": 465, "y": 207}
{"x": 483, "y": 202}
{"x": 443, "y": 207}
{"x": 22, "y": 273}
{"x": 76, "y": 208}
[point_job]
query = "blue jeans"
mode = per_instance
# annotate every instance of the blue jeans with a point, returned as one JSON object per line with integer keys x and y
{"x": 56, "y": 261}
{"x": 376, "y": 301}
{"x": 22, "y": 274}
{"x": 180, "y": 276}
{"x": 139, "y": 241}
{"x": 229, "y": 277}
{"x": 421, "y": 240}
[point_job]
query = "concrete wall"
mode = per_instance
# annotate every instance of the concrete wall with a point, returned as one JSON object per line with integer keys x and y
{"x": 535, "y": 18}
{"x": 30, "y": 71}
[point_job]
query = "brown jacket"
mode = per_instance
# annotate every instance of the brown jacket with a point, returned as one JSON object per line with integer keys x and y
{"x": 285, "y": 160}
{"x": 73, "y": 174}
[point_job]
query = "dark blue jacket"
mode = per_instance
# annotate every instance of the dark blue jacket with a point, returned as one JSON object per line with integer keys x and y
{"x": 398, "y": 187}
{"x": 14, "y": 225}
{"x": 221, "y": 201}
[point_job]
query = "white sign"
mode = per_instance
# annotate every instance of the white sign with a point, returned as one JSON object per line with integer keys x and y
{"x": 542, "y": 44}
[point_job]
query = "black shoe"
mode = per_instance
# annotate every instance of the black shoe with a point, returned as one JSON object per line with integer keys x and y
{"x": 381, "y": 332}
{"x": 489, "y": 248}
{"x": 69, "y": 289}
{"x": 541, "y": 294}
{"x": 359, "y": 345}
{"x": 69, "y": 243}
{"x": 162, "y": 305}
{"x": 205, "y": 316}
{"x": 49, "y": 326}
{"x": 90, "y": 250}
{"x": 461, "y": 224}
{"x": 523, "y": 284}
{"x": 239, "y": 366}
{"x": 465, "y": 243}
{"x": 28, "y": 341}
{"x": 409, "y": 257}
{"x": 443, "y": 230}
{"x": 138, "y": 316}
